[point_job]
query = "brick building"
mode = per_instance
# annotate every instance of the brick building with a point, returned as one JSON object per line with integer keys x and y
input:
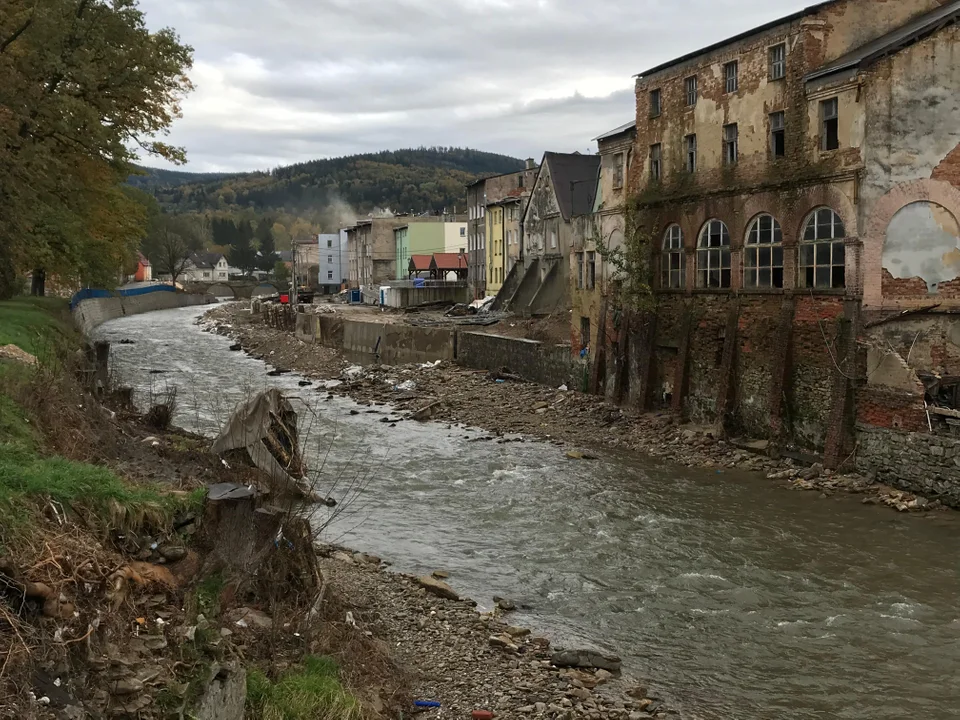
{"x": 797, "y": 188}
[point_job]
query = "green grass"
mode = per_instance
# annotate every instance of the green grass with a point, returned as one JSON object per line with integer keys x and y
{"x": 307, "y": 693}
{"x": 35, "y": 324}
{"x": 25, "y": 475}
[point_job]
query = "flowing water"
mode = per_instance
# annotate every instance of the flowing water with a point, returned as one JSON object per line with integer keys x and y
{"x": 726, "y": 594}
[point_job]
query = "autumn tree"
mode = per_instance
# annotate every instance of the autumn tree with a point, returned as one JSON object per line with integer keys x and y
{"x": 84, "y": 85}
{"x": 169, "y": 243}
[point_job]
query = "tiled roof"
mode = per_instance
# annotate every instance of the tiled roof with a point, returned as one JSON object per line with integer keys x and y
{"x": 449, "y": 261}
{"x": 420, "y": 262}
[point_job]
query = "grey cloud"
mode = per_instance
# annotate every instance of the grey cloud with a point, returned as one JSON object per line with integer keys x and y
{"x": 345, "y": 76}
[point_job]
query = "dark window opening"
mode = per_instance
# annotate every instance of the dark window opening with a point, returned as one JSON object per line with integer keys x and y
{"x": 829, "y": 111}
{"x": 584, "y": 332}
{"x": 778, "y": 135}
{"x": 654, "y": 103}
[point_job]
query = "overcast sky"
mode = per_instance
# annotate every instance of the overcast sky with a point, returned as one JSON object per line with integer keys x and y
{"x": 281, "y": 81}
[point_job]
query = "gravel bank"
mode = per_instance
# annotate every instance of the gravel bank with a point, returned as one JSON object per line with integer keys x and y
{"x": 469, "y": 661}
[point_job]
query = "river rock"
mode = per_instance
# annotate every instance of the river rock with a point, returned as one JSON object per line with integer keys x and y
{"x": 440, "y": 574}
{"x": 504, "y": 604}
{"x": 517, "y": 632}
{"x": 437, "y": 587}
{"x": 172, "y": 553}
{"x": 586, "y": 659}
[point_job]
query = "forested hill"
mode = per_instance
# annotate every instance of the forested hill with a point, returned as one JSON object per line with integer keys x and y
{"x": 418, "y": 180}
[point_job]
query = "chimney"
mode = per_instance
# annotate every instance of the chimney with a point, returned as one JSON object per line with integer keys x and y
{"x": 529, "y": 164}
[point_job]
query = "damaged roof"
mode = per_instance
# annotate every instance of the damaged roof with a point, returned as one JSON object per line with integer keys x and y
{"x": 575, "y": 180}
{"x": 812, "y": 9}
{"x": 632, "y": 125}
{"x": 893, "y": 41}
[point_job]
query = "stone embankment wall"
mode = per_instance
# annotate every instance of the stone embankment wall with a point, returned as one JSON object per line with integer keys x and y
{"x": 917, "y": 462}
{"x": 90, "y": 313}
{"x": 533, "y": 361}
{"x": 400, "y": 344}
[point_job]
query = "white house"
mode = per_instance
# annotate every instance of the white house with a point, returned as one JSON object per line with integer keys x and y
{"x": 206, "y": 267}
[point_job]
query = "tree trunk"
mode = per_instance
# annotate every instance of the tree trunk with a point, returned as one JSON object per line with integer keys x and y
{"x": 38, "y": 284}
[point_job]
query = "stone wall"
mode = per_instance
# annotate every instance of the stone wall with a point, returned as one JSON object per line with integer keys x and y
{"x": 534, "y": 361}
{"x": 90, "y": 313}
{"x": 916, "y": 462}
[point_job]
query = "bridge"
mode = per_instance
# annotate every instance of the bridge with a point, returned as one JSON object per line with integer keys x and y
{"x": 239, "y": 289}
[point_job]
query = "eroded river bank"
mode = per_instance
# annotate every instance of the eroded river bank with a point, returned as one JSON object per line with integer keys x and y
{"x": 726, "y": 594}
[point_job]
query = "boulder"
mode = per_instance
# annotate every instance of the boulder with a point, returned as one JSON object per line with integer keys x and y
{"x": 437, "y": 587}
{"x": 586, "y": 659}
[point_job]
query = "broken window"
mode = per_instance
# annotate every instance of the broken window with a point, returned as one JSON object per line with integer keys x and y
{"x": 778, "y": 136}
{"x": 763, "y": 254}
{"x": 654, "y": 103}
{"x": 584, "y": 332}
{"x": 579, "y": 271}
{"x": 618, "y": 171}
{"x": 730, "y": 80}
{"x": 822, "y": 251}
{"x": 731, "y": 136}
{"x": 691, "y": 153}
{"x": 778, "y": 61}
{"x": 673, "y": 260}
{"x": 713, "y": 256}
{"x": 830, "y": 120}
{"x": 690, "y": 86}
{"x": 655, "y": 163}
{"x": 591, "y": 270}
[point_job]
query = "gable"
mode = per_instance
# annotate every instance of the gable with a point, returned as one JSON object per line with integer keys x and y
{"x": 543, "y": 200}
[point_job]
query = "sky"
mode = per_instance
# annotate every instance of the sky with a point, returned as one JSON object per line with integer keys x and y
{"x": 284, "y": 81}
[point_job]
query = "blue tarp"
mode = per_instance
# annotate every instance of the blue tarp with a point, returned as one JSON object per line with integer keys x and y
{"x": 88, "y": 293}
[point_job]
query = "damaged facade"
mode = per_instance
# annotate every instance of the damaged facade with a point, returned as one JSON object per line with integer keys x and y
{"x": 561, "y": 202}
{"x": 798, "y": 190}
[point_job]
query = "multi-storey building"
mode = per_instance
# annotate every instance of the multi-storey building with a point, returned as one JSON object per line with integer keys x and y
{"x": 332, "y": 261}
{"x": 797, "y": 188}
{"x": 480, "y": 196}
{"x": 428, "y": 235}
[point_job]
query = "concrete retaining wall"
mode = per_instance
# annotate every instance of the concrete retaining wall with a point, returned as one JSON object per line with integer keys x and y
{"x": 916, "y": 462}
{"x": 549, "y": 365}
{"x": 403, "y": 297}
{"x": 398, "y": 344}
{"x": 90, "y": 313}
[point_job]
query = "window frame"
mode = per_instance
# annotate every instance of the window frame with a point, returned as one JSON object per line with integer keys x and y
{"x": 618, "y": 171}
{"x": 728, "y": 76}
{"x": 834, "y": 124}
{"x": 714, "y": 258}
{"x": 813, "y": 244}
{"x": 776, "y": 131}
{"x": 691, "y": 153}
{"x": 656, "y": 162}
{"x": 763, "y": 253}
{"x": 591, "y": 279}
{"x": 731, "y": 148}
{"x": 691, "y": 90}
{"x": 656, "y": 103}
{"x": 673, "y": 259}
{"x": 773, "y": 63}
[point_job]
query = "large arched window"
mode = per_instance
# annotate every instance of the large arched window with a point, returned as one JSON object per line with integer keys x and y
{"x": 713, "y": 256}
{"x": 763, "y": 254}
{"x": 673, "y": 264}
{"x": 822, "y": 255}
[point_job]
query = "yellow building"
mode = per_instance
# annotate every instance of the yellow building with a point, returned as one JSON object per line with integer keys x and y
{"x": 495, "y": 248}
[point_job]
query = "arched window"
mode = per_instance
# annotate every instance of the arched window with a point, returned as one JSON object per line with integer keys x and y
{"x": 713, "y": 256}
{"x": 822, "y": 255}
{"x": 763, "y": 254}
{"x": 673, "y": 264}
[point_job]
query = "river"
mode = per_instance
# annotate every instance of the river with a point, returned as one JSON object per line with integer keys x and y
{"x": 724, "y": 593}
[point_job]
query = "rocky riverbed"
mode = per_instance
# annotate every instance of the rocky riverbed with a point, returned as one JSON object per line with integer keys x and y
{"x": 513, "y": 411}
{"x": 468, "y": 661}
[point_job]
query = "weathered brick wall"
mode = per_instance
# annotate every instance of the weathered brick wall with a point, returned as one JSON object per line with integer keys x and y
{"x": 534, "y": 361}
{"x": 916, "y": 462}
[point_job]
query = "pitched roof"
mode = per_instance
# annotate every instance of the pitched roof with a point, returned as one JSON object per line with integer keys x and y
{"x": 574, "y": 181}
{"x": 812, "y": 9}
{"x": 205, "y": 260}
{"x": 632, "y": 125}
{"x": 893, "y": 41}
{"x": 449, "y": 261}
{"x": 419, "y": 263}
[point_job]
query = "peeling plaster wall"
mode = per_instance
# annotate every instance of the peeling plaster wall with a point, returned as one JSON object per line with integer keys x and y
{"x": 913, "y": 134}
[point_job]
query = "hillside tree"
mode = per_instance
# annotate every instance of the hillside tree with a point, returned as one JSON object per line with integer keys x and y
{"x": 266, "y": 245}
{"x": 84, "y": 85}
{"x": 169, "y": 243}
{"x": 242, "y": 253}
